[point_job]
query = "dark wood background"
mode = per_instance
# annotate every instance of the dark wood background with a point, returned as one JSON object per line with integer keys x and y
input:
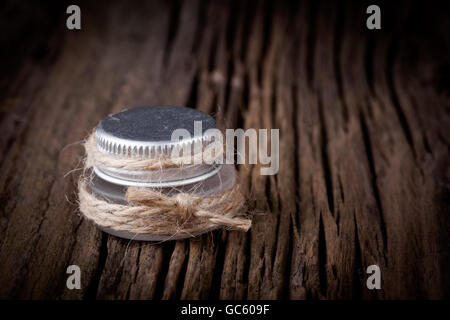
{"x": 364, "y": 151}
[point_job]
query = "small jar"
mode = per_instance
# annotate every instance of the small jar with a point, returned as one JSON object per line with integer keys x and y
{"x": 147, "y": 132}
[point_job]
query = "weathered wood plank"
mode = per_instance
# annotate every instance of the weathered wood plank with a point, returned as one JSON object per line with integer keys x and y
{"x": 364, "y": 147}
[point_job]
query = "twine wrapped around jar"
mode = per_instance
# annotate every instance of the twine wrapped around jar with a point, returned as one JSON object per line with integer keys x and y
{"x": 149, "y": 210}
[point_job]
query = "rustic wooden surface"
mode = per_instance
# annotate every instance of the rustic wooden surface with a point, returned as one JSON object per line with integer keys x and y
{"x": 364, "y": 151}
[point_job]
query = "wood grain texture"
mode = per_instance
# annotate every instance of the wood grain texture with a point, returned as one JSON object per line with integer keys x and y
{"x": 364, "y": 146}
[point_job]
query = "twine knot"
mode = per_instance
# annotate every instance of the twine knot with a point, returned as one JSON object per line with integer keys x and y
{"x": 186, "y": 204}
{"x": 153, "y": 212}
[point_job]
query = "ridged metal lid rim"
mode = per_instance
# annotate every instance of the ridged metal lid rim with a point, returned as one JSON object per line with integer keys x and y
{"x": 109, "y": 144}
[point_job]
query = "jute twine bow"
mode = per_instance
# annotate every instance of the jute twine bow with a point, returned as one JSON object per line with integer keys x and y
{"x": 150, "y": 211}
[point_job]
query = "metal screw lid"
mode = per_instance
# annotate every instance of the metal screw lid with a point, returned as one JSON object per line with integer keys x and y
{"x": 146, "y": 132}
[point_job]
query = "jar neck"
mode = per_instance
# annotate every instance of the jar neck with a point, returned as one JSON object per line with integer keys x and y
{"x": 167, "y": 177}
